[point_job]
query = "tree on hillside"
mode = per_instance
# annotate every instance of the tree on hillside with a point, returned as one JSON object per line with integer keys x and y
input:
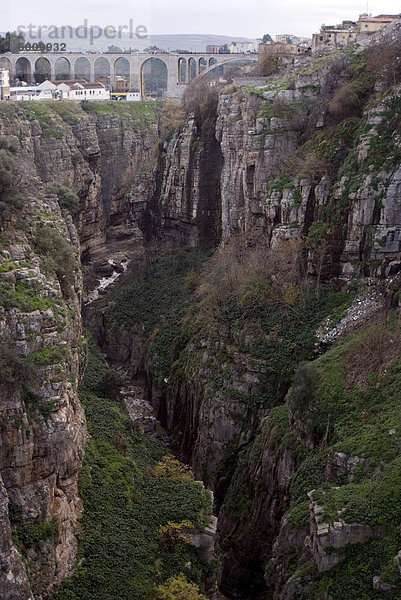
{"x": 267, "y": 38}
{"x": 383, "y": 60}
{"x": 114, "y": 49}
{"x": 178, "y": 588}
{"x": 198, "y": 94}
{"x": 269, "y": 61}
{"x": 172, "y": 115}
{"x": 11, "y": 42}
{"x": 151, "y": 49}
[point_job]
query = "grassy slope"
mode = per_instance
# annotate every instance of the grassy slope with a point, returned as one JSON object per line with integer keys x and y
{"x": 362, "y": 416}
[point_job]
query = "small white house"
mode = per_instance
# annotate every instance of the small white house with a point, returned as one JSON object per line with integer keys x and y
{"x": 133, "y": 97}
{"x": 46, "y": 86}
{"x": 28, "y": 92}
{"x": 76, "y": 90}
{"x": 88, "y": 91}
{"x": 4, "y": 84}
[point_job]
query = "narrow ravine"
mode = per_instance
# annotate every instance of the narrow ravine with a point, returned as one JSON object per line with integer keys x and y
{"x": 141, "y": 412}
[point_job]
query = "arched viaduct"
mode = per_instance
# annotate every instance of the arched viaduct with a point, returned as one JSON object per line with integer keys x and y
{"x": 181, "y": 68}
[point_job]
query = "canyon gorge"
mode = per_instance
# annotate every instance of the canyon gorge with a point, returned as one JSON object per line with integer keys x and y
{"x": 251, "y": 238}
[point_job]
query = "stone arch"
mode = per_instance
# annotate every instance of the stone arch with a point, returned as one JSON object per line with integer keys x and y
{"x": 82, "y": 68}
{"x": 23, "y": 70}
{"x": 122, "y": 69}
{"x": 202, "y": 65}
{"x": 212, "y": 62}
{"x": 43, "y": 70}
{"x": 154, "y": 75}
{"x": 192, "y": 69}
{"x": 62, "y": 69}
{"x": 182, "y": 70}
{"x": 5, "y": 63}
{"x": 102, "y": 69}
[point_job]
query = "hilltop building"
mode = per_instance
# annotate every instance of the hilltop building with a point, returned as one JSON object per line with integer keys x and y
{"x": 285, "y": 53}
{"x": 243, "y": 47}
{"x": 289, "y": 38}
{"x": 332, "y": 37}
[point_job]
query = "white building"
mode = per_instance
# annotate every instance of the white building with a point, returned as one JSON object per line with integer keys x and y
{"x": 88, "y": 91}
{"x": 243, "y": 47}
{"x": 64, "y": 90}
{"x": 133, "y": 97}
{"x": 4, "y": 84}
{"x": 26, "y": 93}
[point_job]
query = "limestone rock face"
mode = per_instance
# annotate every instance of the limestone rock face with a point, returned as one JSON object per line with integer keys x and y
{"x": 43, "y": 427}
{"x": 105, "y": 160}
{"x": 328, "y": 538}
{"x": 217, "y": 177}
{"x": 252, "y": 147}
{"x": 14, "y": 585}
{"x": 186, "y": 204}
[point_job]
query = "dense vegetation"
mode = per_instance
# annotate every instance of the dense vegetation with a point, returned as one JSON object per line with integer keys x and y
{"x": 121, "y": 553}
{"x": 349, "y": 401}
{"x": 155, "y": 301}
{"x": 346, "y": 401}
{"x": 10, "y": 195}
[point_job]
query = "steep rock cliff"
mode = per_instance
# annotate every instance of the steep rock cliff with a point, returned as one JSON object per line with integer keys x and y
{"x": 99, "y": 155}
{"x": 186, "y": 205}
{"x": 43, "y": 429}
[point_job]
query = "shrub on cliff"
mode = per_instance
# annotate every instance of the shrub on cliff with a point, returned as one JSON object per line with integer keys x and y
{"x": 199, "y": 95}
{"x": 348, "y": 97}
{"x": 9, "y": 197}
{"x": 383, "y": 60}
{"x": 268, "y": 64}
{"x": 178, "y": 588}
{"x": 171, "y": 468}
{"x": 173, "y": 534}
{"x": 66, "y": 197}
{"x": 59, "y": 257}
{"x": 16, "y": 370}
{"x": 246, "y": 269}
{"x": 10, "y": 143}
{"x": 30, "y": 535}
{"x": 172, "y": 116}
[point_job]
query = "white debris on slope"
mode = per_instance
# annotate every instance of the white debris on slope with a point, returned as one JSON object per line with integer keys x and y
{"x": 361, "y": 310}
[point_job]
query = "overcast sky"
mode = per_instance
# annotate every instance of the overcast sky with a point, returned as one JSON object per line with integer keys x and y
{"x": 248, "y": 18}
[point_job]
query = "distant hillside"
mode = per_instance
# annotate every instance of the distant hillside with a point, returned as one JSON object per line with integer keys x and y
{"x": 191, "y": 42}
{"x": 194, "y": 42}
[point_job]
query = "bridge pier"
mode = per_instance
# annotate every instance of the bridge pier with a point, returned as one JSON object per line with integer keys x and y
{"x": 181, "y": 87}
{"x": 91, "y": 71}
{"x": 172, "y": 84}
